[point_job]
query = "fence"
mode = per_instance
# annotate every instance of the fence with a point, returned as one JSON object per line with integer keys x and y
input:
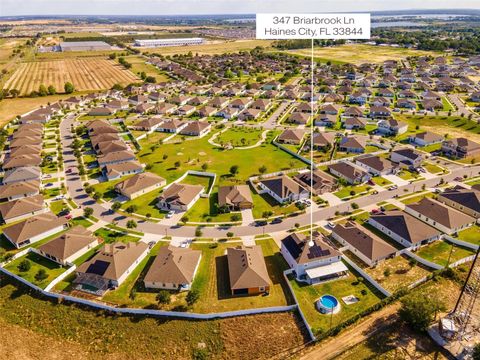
{"x": 421, "y": 260}
{"x": 460, "y": 242}
{"x": 150, "y": 312}
{"x": 462, "y": 261}
{"x": 304, "y": 319}
{"x": 60, "y": 277}
{"x": 366, "y": 276}
{"x": 299, "y": 157}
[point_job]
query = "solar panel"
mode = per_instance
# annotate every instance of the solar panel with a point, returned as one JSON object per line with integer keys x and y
{"x": 99, "y": 267}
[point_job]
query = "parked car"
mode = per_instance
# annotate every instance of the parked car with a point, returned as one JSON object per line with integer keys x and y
{"x": 276, "y": 221}
{"x": 170, "y": 214}
{"x": 260, "y": 223}
{"x": 393, "y": 187}
{"x": 458, "y": 178}
{"x": 375, "y": 211}
{"x": 331, "y": 224}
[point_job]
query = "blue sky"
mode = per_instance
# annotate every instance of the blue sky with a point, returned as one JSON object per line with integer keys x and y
{"x": 170, "y": 7}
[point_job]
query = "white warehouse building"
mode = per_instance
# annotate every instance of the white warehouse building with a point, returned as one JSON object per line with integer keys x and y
{"x": 168, "y": 42}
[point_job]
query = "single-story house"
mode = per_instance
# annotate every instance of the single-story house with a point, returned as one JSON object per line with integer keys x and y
{"x": 247, "y": 271}
{"x": 291, "y": 136}
{"x": 376, "y": 165}
{"x": 179, "y": 197}
{"x": 115, "y": 157}
{"x": 352, "y": 144}
{"x": 349, "y": 172}
{"x": 34, "y": 229}
{"x": 392, "y": 127}
{"x": 139, "y": 184}
{"x": 174, "y": 268}
{"x": 404, "y": 228}
{"x": 196, "y": 128}
{"x": 440, "y": 216}
{"x": 18, "y": 190}
{"x": 16, "y": 210}
{"x": 283, "y": 189}
{"x": 235, "y": 197}
{"x": 425, "y": 138}
{"x": 319, "y": 183}
{"x": 464, "y": 200}
{"x": 370, "y": 248}
{"x": 110, "y": 267}
{"x": 21, "y": 174}
{"x": 116, "y": 171}
{"x": 407, "y": 157}
{"x": 69, "y": 246}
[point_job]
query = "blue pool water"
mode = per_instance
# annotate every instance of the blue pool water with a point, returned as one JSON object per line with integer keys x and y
{"x": 329, "y": 301}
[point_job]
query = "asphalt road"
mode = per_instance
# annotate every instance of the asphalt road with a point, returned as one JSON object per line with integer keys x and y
{"x": 81, "y": 198}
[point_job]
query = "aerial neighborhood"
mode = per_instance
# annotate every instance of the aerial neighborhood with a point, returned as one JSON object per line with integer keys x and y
{"x": 245, "y": 181}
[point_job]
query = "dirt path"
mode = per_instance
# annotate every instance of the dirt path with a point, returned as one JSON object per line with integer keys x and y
{"x": 337, "y": 345}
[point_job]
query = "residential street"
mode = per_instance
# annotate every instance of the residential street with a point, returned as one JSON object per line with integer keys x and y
{"x": 80, "y": 197}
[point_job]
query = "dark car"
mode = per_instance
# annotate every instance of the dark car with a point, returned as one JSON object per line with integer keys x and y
{"x": 261, "y": 223}
{"x": 276, "y": 221}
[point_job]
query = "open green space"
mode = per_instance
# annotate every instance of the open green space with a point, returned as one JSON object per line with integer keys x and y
{"x": 172, "y": 160}
{"x": 240, "y": 136}
{"x": 351, "y": 191}
{"x": 443, "y": 253}
{"x": 471, "y": 235}
{"x": 37, "y": 262}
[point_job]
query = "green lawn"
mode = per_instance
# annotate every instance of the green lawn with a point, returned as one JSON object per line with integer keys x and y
{"x": 110, "y": 236}
{"x": 213, "y": 283}
{"x": 471, "y": 235}
{"x": 417, "y": 198}
{"x": 346, "y": 191}
{"x": 381, "y": 181}
{"x": 49, "y": 193}
{"x": 439, "y": 252}
{"x": 432, "y": 168}
{"x": 240, "y": 136}
{"x": 205, "y": 210}
{"x": 193, "y": 154}
{"x": 80, "y": 220}
{"x": 408, "y": 175}
{"x": 37, "y": 262}
{"x": 57, "y": 206}
{"x": 307, "y": 295}
{"x": 264, "y": 202}
{"x": 107, "y": 188}
{"x": 146, "y": 204}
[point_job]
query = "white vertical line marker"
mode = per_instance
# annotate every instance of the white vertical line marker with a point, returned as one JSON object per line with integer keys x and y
{"x": 311, "y": 144}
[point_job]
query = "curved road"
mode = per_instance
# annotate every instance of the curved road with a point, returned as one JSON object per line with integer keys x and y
{"x": 80, "y": 197}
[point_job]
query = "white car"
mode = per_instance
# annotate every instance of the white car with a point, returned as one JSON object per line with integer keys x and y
{"x": 170, "y": 214}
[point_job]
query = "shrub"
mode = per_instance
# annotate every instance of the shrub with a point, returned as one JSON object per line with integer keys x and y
{"x": 24, "y": 265}
{"x": 420, "y": 311}
{"x": 192, "y": 297}
{"x": 163, "y": 297}
{"x": 41, "y": 275}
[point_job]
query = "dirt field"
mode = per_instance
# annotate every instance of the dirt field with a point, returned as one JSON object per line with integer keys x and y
{"x": 85, "y": 74}
{"x": 358, "y": 54}
{"x": 218, "y": 47}
{"x": 9, "y": 108}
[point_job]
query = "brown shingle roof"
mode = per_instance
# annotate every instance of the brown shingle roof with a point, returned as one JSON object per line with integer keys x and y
{"x": 173, "y": 265}
{"x": 23, "y": 206}
{"x": 68, "y": 243}
{"x": 138, "y": 182}
{"x": 299, "y": 247}
{"x": 233, "y": 195}
{"x": 246, "y": 267}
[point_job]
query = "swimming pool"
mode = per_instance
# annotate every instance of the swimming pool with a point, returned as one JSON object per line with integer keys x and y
{"x": 328, "y": 304}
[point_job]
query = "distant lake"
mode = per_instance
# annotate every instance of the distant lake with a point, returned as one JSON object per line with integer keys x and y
{"x": 396, "y": 24}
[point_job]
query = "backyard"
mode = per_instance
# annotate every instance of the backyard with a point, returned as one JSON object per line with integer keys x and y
{"x": 397, "y": 273}
{"x": 212, "y": 280}
{"x": 471, "y": 235}
{"x": 37, "y": 263}
{"x": 443, "y": 253}
{"x": 307, "y": 295}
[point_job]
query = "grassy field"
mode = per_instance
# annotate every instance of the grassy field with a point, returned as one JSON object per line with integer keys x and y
{"x": 213, "y": 283}
{"x": 240, "y": 136}
{"x": 217, "y": 47}
{"x": 85, "y": 334}
{"x": 37, "y": 262}
{"x": 440, "y": 251}
{"x": 84, "y": 73}
{"x": 452, "y": 126}
{"x": 471, "y": 235}
{"x": 139, "y": 65}
{"x": 359, "y": 53}
{"x": 394, "y": 274}
{"x": 194, "y": 153}
{"x": 307, "y": 296}
{"x": 10, "y": 108}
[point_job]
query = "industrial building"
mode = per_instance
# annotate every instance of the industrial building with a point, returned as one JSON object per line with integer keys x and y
{"x": 168, "y": 42}
{"x": 84, "y": 46}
